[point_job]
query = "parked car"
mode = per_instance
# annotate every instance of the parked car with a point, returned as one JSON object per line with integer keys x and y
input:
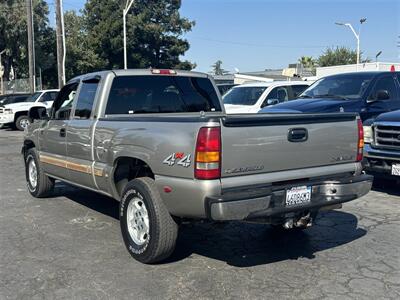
{"x": 13, "y": 98}
{"x": 16, "y": 113}
{"x": 225, "y": 87}
{"x": 251, "y": 97}
{"x": 159, "y": 141}
{"x": 382, "y": 145}
{"x": 366, "y": 93}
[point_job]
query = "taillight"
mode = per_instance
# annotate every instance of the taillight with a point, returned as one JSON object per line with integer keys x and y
{"x": 360, "y": 143}
{"x": 163, "y": 72}
{"x": 208, "y": 153}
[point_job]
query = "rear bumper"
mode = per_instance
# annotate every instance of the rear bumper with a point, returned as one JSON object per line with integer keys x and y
{"x": 269, "y": 201}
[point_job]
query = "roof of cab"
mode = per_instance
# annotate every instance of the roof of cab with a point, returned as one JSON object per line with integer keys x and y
{"x": 138, "y": 72}
{"x": 272, "y": 83}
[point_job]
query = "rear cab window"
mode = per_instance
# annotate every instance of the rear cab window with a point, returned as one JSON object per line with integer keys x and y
{"x": 161, "y": 94}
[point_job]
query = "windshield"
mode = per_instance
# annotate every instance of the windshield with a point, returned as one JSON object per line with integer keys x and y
{"x": 243, "y": 95}
{"x": 34, "y": 97}
{"x": 346, "y": 87}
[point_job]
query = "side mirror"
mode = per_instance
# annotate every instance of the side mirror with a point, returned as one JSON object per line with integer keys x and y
{"x": 382, "y": 95}
{"x": 38, "y": 113}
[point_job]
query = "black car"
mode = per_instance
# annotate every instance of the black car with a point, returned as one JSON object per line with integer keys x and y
{"x": 367, "y": 93}
{"x": 13, "y": 98}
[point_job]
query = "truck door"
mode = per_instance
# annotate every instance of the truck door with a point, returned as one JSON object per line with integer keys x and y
{"x": 376, "y": 103}
{"x": 52, "y": 136}
{"x": 79, "y": 134}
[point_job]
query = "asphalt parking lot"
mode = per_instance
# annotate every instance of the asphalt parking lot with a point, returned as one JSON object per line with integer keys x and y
{"x": 69, "y": 246}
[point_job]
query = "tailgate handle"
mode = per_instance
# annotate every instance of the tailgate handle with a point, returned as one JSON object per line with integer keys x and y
{"x": 297, "y": 135}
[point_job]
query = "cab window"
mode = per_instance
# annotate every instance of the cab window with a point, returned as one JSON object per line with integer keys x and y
{"x": 63, "y": 104}
{"x": 86, "y": 98}
{"x": 385, "y": 83}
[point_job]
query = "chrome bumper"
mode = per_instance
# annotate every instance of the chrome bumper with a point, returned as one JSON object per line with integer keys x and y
{"x": 269, "y": 201}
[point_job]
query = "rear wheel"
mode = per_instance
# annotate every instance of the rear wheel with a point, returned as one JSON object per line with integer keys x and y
{"x": 148, "y": 230}
{"x": 39, "y": 184}
{"x": 22, "y": 122}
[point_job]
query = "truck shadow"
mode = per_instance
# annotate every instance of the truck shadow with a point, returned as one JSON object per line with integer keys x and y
{"x": 239, "y": 244}
{"x": 387, "y": 185}
{"x": 246, "y": 245}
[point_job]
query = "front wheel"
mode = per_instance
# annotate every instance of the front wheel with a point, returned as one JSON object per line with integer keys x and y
{"x": 22, "y": 122}
{"x": 148, "y": 230}
{"x": 39, "y": 184}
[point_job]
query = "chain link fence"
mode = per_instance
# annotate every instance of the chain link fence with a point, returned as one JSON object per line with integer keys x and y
{"x": 19, "y": 86}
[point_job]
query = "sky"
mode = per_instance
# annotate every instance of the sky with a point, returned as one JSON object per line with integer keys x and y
{"x": 253, "y": 35}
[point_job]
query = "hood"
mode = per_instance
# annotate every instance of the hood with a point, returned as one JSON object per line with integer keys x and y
{"x": 323, "y": 105}
{"x": 20, "y": 105}
{"x": 239, "y": 109}
{"x": 393, "y": 116}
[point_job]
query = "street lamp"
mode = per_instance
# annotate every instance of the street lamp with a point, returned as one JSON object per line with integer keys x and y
{"x": 124, "y": 13}
{"x": 377, "y": 55}
{"x": 1, "y": 72}
{"x": 357, "y": 35}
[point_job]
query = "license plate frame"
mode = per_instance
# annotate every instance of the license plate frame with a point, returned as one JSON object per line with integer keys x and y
{"x": 298, "y": 195}
{"x": 395, "y": 170}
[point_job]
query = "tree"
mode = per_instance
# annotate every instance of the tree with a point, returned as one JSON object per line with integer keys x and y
{"x": 217, "y": 68}
{"x": 154, "y": 28}
{"x": 307, "y": 62}
{"x": 13, "y": 38}
{"x": 80, "y": 58}
{"x": 339, "y": 56}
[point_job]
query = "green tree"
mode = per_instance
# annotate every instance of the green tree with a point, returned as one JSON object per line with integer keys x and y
{"x": 217, "y": 68}
{"x": 80, "y": 57}
{"x": 307, "y": 62}
{"x": 339, "y": 56}
{"x": 13, "y": 38}
{"x": 154, "y": 30}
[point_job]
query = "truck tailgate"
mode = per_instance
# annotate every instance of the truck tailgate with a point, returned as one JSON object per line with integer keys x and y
{"x": 264, "y": 143}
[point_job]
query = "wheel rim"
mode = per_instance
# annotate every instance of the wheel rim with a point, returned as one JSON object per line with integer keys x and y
{"x": 138, "y": 221}
{"x": 24, "y": 123}
{"x": 32, "y": 173}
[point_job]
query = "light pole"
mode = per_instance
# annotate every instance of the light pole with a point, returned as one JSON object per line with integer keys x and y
{"x": 124, "y": 13}
{"x": 357, "y": 35}
{"x": 2, "y": 71}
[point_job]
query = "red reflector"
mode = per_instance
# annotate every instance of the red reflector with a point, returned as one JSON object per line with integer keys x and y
{"x": 208, "y": 140}
{"x": 360, "y": 144}
{"x": 163, "y": 72}
{"x": 392, "y": 69}
{"x": 167, "y": 189}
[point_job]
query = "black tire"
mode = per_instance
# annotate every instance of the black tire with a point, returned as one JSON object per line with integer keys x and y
{"x": 20, "y": 120}
{"x": 44, "y": 184}
{"x": 163, "y": 231}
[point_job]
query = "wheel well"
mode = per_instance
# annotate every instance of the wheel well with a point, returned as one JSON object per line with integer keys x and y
{"x": 20, "y": 113}
{"x": 28, "y": 144}
{"x": 128, "y": 168}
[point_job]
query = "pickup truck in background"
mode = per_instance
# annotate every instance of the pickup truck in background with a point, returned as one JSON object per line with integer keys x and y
{"x": 367, "y": 93}
{"x": 382, "y": 145}
{"x": 160, "y": 142}
{"x": 16, "y": 112}
{"x": 253, "y": 96}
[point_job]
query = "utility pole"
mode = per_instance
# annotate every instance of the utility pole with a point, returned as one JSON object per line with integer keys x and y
{"x": 2, "y": 72}
{"x": 31, "y": 47}
{"x": 124, "y": 13}
{"x": 60, "y": 43}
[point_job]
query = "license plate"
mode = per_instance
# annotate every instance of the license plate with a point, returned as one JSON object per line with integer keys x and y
{"x": 396, "y": 169}
{"x": 298, "y": 195}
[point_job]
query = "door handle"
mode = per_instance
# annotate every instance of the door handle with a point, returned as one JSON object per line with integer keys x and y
{"x": 62, "y": 132}
{"x": 297, "y": 135}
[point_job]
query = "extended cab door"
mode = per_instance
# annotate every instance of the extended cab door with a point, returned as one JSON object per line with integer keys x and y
{"x": 79, "y": 134}
{"x": 377, "y": 105}
{"x": 52, "y": 137}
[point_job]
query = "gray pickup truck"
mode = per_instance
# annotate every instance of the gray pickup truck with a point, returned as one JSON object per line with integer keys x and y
{"x": 159, "y": 141}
